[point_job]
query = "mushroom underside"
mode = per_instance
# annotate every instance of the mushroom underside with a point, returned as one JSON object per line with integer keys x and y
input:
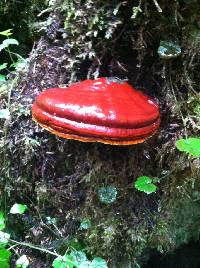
{"x": 85, "y": 132}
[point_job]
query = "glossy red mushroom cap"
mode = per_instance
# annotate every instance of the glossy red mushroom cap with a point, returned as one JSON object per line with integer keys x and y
{"x": 104, "y": 110}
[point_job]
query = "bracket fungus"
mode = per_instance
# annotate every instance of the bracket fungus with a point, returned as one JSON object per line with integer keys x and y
{"x": 106, "y": 110}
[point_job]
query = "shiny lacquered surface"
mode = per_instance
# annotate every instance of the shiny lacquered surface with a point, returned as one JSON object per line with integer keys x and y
{"x": 102, "y": 110}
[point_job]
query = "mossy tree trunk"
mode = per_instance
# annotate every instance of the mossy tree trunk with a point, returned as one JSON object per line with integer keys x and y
{"x": 60, "y": 178}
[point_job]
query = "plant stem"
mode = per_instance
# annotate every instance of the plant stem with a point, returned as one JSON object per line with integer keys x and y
{"x": 34, "y": 247}
{"x": 9, "y": 52}
{"x": 157, "y": 6}
{"x": 38, "y": 248}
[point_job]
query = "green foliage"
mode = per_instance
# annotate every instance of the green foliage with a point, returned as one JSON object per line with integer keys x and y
{"x": 146, "y": 184}
{"x": 63, "y": 262}
{"x": 3, "y": 66}
{"x": 6, "y": 33}
{"x": 22, "y": 262}
{"x": 85, "y": 224}
{"x": 4, "y": 238}
{"x": 5, "y": 254}
{"x": 7, "y": 42}
{"x": 190, "y": 146}
{"x": 98, "y": 263}
{"x": 2, "y": 78}
{"x": 107, "y": 194}
{"x": 5, "y": 258}
{"x": 18, "y": 209}
{"x": 78, "y": 259}
{"x": 83, "y": 32}
{"x": 2, "y": 221}
{"x": 15, "y": 58}
{"x": 74, "y": 259}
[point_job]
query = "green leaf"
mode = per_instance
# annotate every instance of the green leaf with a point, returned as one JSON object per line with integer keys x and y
{"x": 22, "y": 262}
{"x": 99, "y": 263}
{"x": 6, "y": 33}
{"x": 145, "y": 184}
{"x": 85, "y": 224}
{"x": 4, "y": 114}
{"x": 19, "y": 64}
{"x": 107, "y": 194}
{"x": 5, "y": 258}
{"x": 2, "y": 221}
{"x": 18, "y": 209}
{"x": 63, "y": 262}
{"x": 10, "y": 41}
{"x": 78, "y": 257}
{"x": 190, "y": 146}
{"x": 3, "y": 66}
{"x": 2, "y": 78}
{"x": 7, "y": 42}
{"x": 4, "y": 237}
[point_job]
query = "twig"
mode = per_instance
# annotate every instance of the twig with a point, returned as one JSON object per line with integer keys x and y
{"x": 34, "y": 247}
{"x": 157, "y": 6}
{"x": 38, "y": 248}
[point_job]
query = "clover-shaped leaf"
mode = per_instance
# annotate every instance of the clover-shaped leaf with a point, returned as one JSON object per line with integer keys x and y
{"x": 190, "y": 146}
{"x": 145, "y": 184}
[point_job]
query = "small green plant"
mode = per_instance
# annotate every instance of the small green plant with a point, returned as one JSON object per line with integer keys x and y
{"x": 78, "y": 259}
{"x": 146, "y": 184}
{"x": 22, "y": 262}
{"x": 5, "y": 254}
{"x": 16, "y": 63}
{"x": 73, "y": 258}
{"x": 5, "y": 258}
{"x": 189, "y": 145}
{"x": 16, "y": 59}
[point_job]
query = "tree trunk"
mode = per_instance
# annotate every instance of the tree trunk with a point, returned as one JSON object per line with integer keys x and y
{"x": 61, "y": 179}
